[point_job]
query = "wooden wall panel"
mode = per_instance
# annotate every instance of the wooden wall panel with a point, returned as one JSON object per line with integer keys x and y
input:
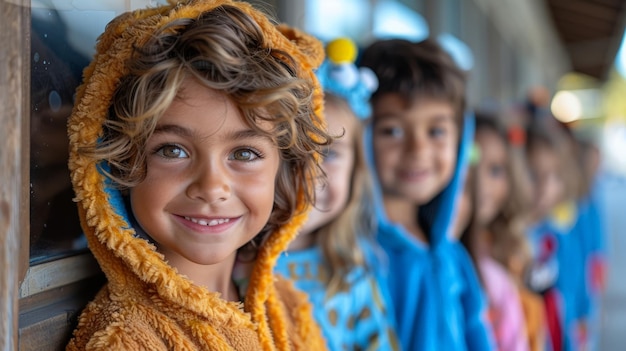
{"x": 14, "y": 151}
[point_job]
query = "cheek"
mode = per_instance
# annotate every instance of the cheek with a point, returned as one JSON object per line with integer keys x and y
{"x": 465, "y": 209}
{"x": 378, "y": 159}
{"x": 386, "y": 153}
{"x": 338, "y": 186}
{"x": 148, "y": 204}
{"x": 502, "y": 191}
{"x": 386, "y": 161}
{"x": 342, "y": 190}
{"x": 261, "y": 194}
{"x": 447, "y": 161}
{"x": 336, "y": 199}
{"x": 258, "y": 189}
{"x": 555, "y": 187}
{"x": 155, "y": 191}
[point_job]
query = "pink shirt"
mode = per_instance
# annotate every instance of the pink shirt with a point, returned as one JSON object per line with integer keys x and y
{"x": 505, "y": 309}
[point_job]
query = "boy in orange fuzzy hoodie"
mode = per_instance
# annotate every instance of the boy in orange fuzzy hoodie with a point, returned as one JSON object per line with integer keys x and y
{"x": 193, "y": 147}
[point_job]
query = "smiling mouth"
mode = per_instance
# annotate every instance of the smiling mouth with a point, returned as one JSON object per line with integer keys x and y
{"x": 414, "y": 174}
{"x": 208, "y": 223}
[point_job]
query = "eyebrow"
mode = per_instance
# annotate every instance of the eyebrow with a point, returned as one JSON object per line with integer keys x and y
{"x": 385, "y": 115}
{"x": 174, "y": 129}
{"x": 188, "y": 133}
{"x": 438, "y": 117}
{"x": 443, "y": 117}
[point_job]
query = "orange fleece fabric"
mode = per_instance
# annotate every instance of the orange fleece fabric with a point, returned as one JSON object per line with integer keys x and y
{"x": 146, "y": 304}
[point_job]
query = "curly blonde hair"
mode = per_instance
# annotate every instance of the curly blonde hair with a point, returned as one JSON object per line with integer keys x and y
{"x": 225, "y": 50}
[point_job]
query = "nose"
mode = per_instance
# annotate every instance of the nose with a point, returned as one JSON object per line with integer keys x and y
{"x": 210, "y": 183}
{"x": 414, "y": 144}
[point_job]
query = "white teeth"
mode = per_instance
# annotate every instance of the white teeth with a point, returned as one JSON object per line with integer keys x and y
{"x": 210, "y": 223}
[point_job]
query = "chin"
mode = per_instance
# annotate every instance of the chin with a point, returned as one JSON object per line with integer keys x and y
{"x": 204, "y": 260}
{"x": 422, "y": 198}
{"x": 486, "y": 217}
{"x": 209, "y": 262}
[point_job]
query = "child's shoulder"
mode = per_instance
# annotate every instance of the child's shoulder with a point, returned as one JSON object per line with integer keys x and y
{"x": 297, "y": 314}
{"x": 114, "y": 324}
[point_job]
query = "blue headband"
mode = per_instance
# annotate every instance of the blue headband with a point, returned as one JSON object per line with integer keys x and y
{"x": 339, "y": 75}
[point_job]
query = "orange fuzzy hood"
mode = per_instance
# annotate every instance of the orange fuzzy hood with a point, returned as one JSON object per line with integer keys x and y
{"x": 131, "y": 262}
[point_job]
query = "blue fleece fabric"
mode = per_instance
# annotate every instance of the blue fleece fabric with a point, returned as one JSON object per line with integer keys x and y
{"x": 359, "y": 318}
{"x": 558, "y": 255}
{"x": 115, "y": 196}
{"x": 589, "y": 229}
{"x": 592, "y": 223}
{"x": 592, "y": 231}
{"x": 438, "y": 299}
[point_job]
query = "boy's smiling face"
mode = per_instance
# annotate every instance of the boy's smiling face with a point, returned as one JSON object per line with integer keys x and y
{"x": 415, "y": 147}
{"x": 209, "y": 187}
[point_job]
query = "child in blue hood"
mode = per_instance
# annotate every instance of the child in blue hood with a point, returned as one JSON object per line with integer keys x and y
{"x": 592, "y": 229}
{"x": 420, "y": 143}
{"x": 333, "y": 258}
{"x": 558, "y": 270}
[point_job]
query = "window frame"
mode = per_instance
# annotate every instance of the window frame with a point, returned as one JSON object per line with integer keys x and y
{"x": 14, "y": 162}
{"x": 40, "y": 303}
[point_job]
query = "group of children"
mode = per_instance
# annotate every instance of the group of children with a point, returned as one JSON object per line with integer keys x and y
{"x": 241, "y": 192}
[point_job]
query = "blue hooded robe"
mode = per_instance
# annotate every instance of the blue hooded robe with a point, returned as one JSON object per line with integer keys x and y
{"x": 558, "y": 273}
{"x": 438, "y": 300}
{"x": 593, "y": 232}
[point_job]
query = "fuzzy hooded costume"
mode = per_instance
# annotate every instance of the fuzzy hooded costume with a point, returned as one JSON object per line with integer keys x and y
{"x": 146, "y": 304}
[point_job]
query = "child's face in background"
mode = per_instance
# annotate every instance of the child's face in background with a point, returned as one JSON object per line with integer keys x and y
{"x": 549, "y": 188}
{"x": 209, "y": 187}
{"x": 493, "y": 179}
{"x": 332, "y": 195}
{"x": 415, "y": 147}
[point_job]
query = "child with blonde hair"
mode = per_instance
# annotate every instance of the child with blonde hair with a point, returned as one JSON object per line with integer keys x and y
{"x": 334, "y": 258}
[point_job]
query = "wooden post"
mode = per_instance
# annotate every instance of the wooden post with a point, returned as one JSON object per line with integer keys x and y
{"x": 14, "y": 162}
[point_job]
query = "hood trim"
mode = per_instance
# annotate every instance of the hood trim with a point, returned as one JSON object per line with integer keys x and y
{"x": 135, "y": 262}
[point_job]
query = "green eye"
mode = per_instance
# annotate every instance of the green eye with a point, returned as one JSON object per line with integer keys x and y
{"x": 497, "y": 170}
{"x": 172, "y": 151}
{"x": 437, "y": 132}
{"x": 244, "y": 155}
{"x": 330, "y": 155}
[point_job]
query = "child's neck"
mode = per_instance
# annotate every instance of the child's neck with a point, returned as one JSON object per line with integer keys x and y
{"x": 484, "y": 243}
{"x": 405, "y": 213}
{"x": 302, "y": 241}
{"x": 216, "y": 277}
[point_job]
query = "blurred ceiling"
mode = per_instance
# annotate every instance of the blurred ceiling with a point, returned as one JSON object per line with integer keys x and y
{"x": 591, "y": 31}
